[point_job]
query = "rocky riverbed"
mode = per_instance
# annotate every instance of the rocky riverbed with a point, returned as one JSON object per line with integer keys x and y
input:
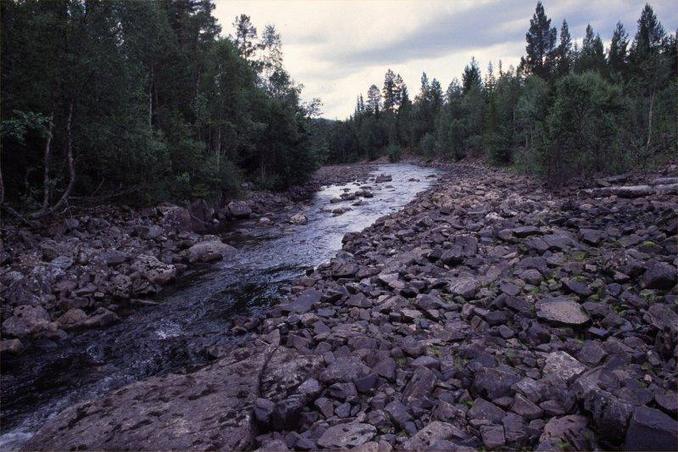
{"x": 488, "y": 313}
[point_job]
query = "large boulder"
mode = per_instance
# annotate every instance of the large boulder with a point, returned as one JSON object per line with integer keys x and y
{"x": 211, "y": 250}
{"x": 153, "y": 270}
{"x": 651, "y": 429}
{"x": 239, "y": 209}
{"x": 209, "y": 409}
{"x": 29, "y": 320}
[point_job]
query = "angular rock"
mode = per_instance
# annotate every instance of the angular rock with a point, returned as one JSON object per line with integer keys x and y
{"x": 347, "y": 435}
{"x": 153, "y": 270}
{"x": 659, "y": 275}
{"x": 651, "y": 429}
{"x": 563, "y": 311}
{"x": 563, "y": 365}
{"x": 431, "y": 433}
{"x": 239, "y": 209}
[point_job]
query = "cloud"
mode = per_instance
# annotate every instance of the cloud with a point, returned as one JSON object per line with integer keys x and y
{"x": 338, "y": 48}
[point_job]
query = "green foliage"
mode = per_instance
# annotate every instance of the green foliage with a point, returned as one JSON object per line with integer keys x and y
{"x": 162, "y": 106}
{"x": 394, "y": 152}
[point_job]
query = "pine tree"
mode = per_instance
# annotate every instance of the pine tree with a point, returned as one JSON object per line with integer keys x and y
{"x": 373, "y": 100}
{"x": 592, "y": 55}
{"x": 471, "y": 77}
{"x": 389, "y": 92}
{"x": 618, "y": 54}
{"x": 564, "y": 51}
{"x": 541, "y": 41}
{"x": 245, "y": 36}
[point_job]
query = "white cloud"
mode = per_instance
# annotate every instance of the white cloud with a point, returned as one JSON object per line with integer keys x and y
{"x": 338, "y": 48}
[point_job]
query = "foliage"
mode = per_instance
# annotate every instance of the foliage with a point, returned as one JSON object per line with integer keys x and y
{"x": 151, "y": 100}
{"x": 564, "y": 113}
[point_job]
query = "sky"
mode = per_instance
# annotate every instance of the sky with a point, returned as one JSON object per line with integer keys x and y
{"x": 338, "y": 48}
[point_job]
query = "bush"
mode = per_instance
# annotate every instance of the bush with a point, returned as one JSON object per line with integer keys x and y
{"x": 583, "y": 128}
{"x": 394, "y": 152}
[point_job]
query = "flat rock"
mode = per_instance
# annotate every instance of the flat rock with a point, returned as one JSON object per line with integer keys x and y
{"x": 208, "y": 251}
{"x": 347, "y": 435}
{"x": 650, "y": 429}
{"x": 432, "y": 432}
{"x": 563, "y": 311}
{"x": 562, "y": 365}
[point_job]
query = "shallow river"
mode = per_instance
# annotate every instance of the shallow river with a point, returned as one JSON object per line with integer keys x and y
{"x": 174, "y": 335}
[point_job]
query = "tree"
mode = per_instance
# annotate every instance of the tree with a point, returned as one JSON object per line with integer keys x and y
{"x": 471, "y": 77}
{"x": 541, "y": 41}
{"x": 390, "y": 91}
{"x": 564, "y": 51}
{"x": 618, "y": 54}
{"x": 592, "y": 55}
{"x": 245, "y": 36}
{"x": 373, "y": 100}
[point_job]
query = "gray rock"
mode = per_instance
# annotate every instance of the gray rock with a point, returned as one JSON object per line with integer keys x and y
{"x": 153, "y": 270}
{"x": 431, "y": 433}
{"x": 420, "y": 385}
{"x": 493, "y": 436}
{"x": 562, "y": 365}
{"x": 568, "y": 430}
{"x": 495, "y": 382}
{"x": 562, "y": 311}
{"x": 347, "y": 435}
{"x": 651, "y": 429}
{"x": 239, "y": 209}
{"x": 484, "y": 410}
{"x": 303, "y": 303}
{"x": 209, "y": 251}
{"x": 344, "y": 369}
{"x": 660, "y": 275}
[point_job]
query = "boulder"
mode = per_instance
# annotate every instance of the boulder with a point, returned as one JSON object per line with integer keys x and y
{"x": 562, "y": 365}
{"x": 10, "y": 346}
{"x": 347, "y": 435}
{"x": 209, "y": 251}
{"x": 153, "y": 270}
{"x": 298, "y": 218}
{"x": 562, "y": 311}
{"x": 239, "y": 209}
{"x": 651, "y": 429}
{"x": 565, "y": 432}
{"x": 194, "y": 411}
{"x": 431, "y": 433}
{"x": 27, "y": 320}
{"x": 659, "y": 275}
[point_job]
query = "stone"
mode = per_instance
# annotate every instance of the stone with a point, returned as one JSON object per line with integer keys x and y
{"x": 385, "y": 368}
{"x": 562, "y": 365}
{"x": 562, "y": 311}
{"x": 209, "y": 251}
{"x": 420, "y": 385}
{"x": 515, "y": 429}
{"x": 347, "y": 435}
{"x": 399, "y": 415}
{"x": 432, "y": 432}
{"x": 239, "y": 209}
{"x": 28, "y": 320}
{"x": 73, "y": 318}
{"x": 344, "y": 369}
{"x": 465, "y": 286}
{"x": 650, "y": 429}
{"x": 153, "y": 270}
{"x": 561, "y": 432}
{"x": 187, "y": 411}
{"x": 590, "y": 236}
{"x": 298, "y": 218}
{"x": 11, "y": 346}
{"x": 577, "y": 287}
{"x": 526, "y": 408}
{"x": 484, "y": 410}
{"x": 303, "y": 303}
{"x": 492, "y": 436}
{"x": 660, "y": 275}
{"x": 495, "y": 382}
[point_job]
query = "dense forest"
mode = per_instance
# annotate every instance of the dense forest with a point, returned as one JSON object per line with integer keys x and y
{"x": 566, "y": 110}
{"x": 143, "y": 101}
{"x": 150, "y": 101}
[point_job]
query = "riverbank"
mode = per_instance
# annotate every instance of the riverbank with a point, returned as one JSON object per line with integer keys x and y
{"x": 487, "y": 313}
{"x": 84, "y": 271}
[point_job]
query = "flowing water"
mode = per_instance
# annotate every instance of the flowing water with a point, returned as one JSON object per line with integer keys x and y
{"x": 176, "y": 334}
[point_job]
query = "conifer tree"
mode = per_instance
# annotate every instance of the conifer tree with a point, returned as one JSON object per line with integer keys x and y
{"x": 541, "y": 41}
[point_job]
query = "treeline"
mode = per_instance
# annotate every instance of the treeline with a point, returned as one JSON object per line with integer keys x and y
{"x": 565, "y": 111}
{"x": 143, "y": 100}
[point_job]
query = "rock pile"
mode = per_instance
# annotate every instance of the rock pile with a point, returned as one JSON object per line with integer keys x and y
{"x": 488, "y": 313}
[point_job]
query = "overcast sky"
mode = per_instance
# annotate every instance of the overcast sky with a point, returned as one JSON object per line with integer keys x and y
{"x": 338, "y": 48}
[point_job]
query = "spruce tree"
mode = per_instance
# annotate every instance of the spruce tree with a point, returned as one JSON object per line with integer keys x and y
{"x": 389, "y": 92}
{"x": 541, "y": 41}
{"x": 471, "y": 77}
{"x": 618, "y": 54}
{"x": 564, "y": 51}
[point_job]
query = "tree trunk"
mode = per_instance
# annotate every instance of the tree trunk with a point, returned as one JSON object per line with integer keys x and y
{"x": 46, "y": 158}
{"x": 649, "y": 120}
{"x": 71, "y": 169}
{"x": 150, "y": 101}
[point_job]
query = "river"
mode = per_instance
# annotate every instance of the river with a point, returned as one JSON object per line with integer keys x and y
{"x": 195, "y": 316}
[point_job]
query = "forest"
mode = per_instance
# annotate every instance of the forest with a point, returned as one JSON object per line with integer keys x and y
{"x": 566, "y": 110}
{"x": 143, "y": 101}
